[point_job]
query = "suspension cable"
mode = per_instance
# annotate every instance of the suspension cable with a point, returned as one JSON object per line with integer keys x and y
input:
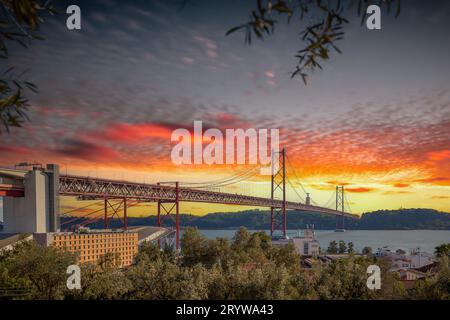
{"x": 295, "y": 174}
{"x": 80, "y": 208}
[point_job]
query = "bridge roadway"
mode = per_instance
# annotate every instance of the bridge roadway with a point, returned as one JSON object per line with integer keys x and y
{"x": 95, "y": 188}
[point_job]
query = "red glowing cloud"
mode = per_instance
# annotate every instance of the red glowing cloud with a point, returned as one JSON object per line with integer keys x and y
{"x": 359, "y": 190}
{"x": 134, "y": 133}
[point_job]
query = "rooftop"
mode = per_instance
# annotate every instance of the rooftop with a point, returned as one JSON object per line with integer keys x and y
{"x": 7, "y": 239}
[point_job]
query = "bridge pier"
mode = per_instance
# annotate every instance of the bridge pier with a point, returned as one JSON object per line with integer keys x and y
{"x": 105, "y": 221}
{"x": 173, "y": 208}
{"x": 115, "y": 207}
{"x": 340, "y": 227}
{"x": 38, "y": 210}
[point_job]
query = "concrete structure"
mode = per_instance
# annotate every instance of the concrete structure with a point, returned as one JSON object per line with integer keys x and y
{"x": 38, "y": 210}
{"x": 152, "y": 234}
{"x": 91, "y": 245}
{"x": 305, "y": 245}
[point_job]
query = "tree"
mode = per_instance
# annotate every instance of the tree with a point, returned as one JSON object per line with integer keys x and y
{"x": 11, "y": 286}
{"x": 344, "y": 279}
{"x": 342, "y": 247}
{"x": 367, "y": 251}
{"x": 41, "y": 269}
{"x": 435, "y": 286}
{"x": 164, "y": 280}
{"x": 101, "y": 282}
{"x": 19, "y": 22}
{"x": 442, "y": 250}
{"x": 153, "y": 252}
{"x": 241, "y": 237}
{"x": 350, "y": 248}
{"x": 320, "y": 36}
{"x": 259, "y": 282}
{"x": 193, "y": 247}
{"x": 286, "y": 256}
{"x": 219, "y": 252}
{"x": 109, "y": 261}
{"x": 305, "y": 283}
{"x": 332, "y": 247}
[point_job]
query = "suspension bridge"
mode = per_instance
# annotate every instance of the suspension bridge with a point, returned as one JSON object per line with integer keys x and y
{"x": 115, "y": 197}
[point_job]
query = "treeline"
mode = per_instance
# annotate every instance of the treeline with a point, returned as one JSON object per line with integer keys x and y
{"x": 247, "y": 267}
{"x": 404, "y": 219}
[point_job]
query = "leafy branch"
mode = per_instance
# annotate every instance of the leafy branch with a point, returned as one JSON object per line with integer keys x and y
{"x": 19, "y": 22}
{"x": 320, "y": 37}
{"x": 13, "y": 105}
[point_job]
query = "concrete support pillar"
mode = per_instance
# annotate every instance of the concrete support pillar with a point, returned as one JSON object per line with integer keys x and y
{"x": 53, "y": 197}
{"x": 28, "y": 214}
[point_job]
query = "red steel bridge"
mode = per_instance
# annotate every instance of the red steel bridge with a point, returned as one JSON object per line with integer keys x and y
{"x": 120, "y": 195}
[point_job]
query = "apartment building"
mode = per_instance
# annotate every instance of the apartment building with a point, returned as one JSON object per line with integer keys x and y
{"x": 91, "y": 245}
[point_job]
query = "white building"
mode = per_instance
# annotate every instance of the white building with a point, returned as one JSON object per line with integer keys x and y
{"x": 306, "y": 244}
{"x": 402, "y": 260}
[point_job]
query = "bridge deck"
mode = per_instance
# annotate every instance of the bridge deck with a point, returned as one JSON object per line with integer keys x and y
{"x": 100, "y": 188}
{"x": 10, "y": 190}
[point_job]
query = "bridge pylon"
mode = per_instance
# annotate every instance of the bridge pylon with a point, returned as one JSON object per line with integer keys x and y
{"x": 167, "y": 208}
{"x": 340, "y": 219}
{"x": 278, "y": 215}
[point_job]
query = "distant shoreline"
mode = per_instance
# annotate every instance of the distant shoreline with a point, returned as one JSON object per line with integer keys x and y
{"x": 403, "y": 219}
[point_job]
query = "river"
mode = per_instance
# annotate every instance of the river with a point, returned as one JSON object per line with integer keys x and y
{"x": 407, "y": 240}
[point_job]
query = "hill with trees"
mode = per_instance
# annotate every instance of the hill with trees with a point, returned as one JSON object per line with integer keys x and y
{"x": 402, "y": 219}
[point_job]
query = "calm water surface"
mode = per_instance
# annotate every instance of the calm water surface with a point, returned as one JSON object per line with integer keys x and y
{"x": 407, "y": 240}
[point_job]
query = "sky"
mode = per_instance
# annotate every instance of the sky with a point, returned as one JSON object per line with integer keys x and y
{"x": 376, "y": 119}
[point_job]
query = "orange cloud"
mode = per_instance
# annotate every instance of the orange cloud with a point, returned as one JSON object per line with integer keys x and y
{"x": 125, "y": 132}
{"x": 401, "y": 185}
{"x": 439, "y": 155}
{"x": 338, "y": 183}
{"x": 432, "y": 180}
{"x": 359, "y": 190}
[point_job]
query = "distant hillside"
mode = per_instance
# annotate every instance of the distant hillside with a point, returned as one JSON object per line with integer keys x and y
{"x": 405, "y": 219}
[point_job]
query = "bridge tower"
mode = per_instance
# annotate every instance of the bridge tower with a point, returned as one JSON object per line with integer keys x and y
{"x": 278, "y": 215}
{"x": 340, "y": 227}
{"x": 114, "y": 206}
{"x": 166, "y": 208}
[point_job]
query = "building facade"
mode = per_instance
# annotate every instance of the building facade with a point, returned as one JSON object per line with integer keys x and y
{"x": 402, "y": 260}
{"x": 38, "y": 210}
{"x": 306, "y": 244}
{"x": 90, "y": 246}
